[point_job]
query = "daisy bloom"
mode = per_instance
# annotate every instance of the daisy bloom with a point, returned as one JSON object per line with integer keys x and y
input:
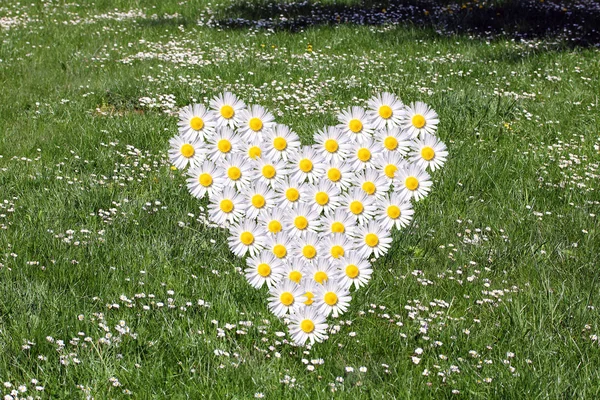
{"x": 321, "y": 271}
{"x": 270, "y": 172}
{"x": 373, "y": 183}
{"x": 186, "y": 150}
{"x": 339, "y": 221}
{"x": 245, "y": 237}
{"x": 358, "y": 203}
{"x": 393, "y": 140}
{"x": 418, "y": 118}
{"x": 372, "y": 238}
{"x": 286, "y": 297}
{"x": 324, "y": 195}
{"x": 205, "y": 178}
{"x": 332, "y": 144}
{"x": 307, "y": 164}
{"x": 394, "y": 210}
{"x": 280, "y": 245}
{"x": 388, "y": 164}
{"x": 354, "y": 270}
{"x": 226, "y": 206}
{"x": 340, "y": 174}
{"x": 280, "y": 142}
{"x": 306, "y": 324}
{"x": 428, "y": 152}
{"x": 385, "y": 109}
{"x": 332, "y": 298}
{"x": 290, "y": 192}
{"x": 415, "y": 181}
{"x": 254, "y": 122}
{"x": 294, "y": 270}
{"x": 309, "y": 287}
{"x": 253, "y": 150}
{"x": 306, "y": 247}
{"x": 259, "y": 197}
{"x": 355, "y": 124}
{"x": 226, "y": 108}
{"x": 237, "y": 171}
{"x": 222, "y": 143}
{"x": 302, "y": 219}
{"x": 335, "y": 246}
{"x": 195, "y": 120}
{"x": 263, "y": 268}
{"x": 363, "y": 154}
{"x": 271, "y": 220}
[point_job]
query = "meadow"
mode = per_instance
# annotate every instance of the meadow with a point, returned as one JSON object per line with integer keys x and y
{"x": 112, "y": 284}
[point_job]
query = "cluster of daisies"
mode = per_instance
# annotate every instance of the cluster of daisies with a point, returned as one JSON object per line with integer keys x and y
{"x": 309, "y": 219}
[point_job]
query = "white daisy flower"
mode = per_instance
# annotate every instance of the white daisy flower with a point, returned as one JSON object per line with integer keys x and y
{"x": 226, "y": 206}
{"x": 324, "y": 195}
{"x": 393, "y": 140}
{"x": 263, "y": 268}
{"x": 332, "y": 298}
{"x": 237, "y": 171}
{"x": 259, "y": 197}
{"x": 280, "y": 142}
{"x": 332, "y": 144}
{"x": 388, "y": 164}
{"x": 306, "y": 164}
{"x": 335, "y": 246}
{"x": 302, "y": 219}
{"x": 428, "y": 152}
{"x": 222, "y": 143}
{"x": 354, "y": 270}
{"x": 321, "y": 271}
{"x": 286, "y": 297}
{"x": 245, "y": 237}
{"x": 280, "y": 245}
{"x": 252, "y": 150}
{"x": 290, "y": 192}
{"x": 363, "y": 154}
{"x": 358, "y": 203}
{"x": 306, "y": 324}
{"x": 394, "y": 210}
{"x": 255, "y": 121}
{"x": 413, "y": 180}
{"x": 339, "y": 221}
{"x": 372, "y": 238}
{"x": 269, "y": 171}
{"x": 419, "y": 118}
{"x": 205, "y": 178}
{"x": 309, "y": 287}
{"x": 385, "y": 109}
{"x": 373, "y": 183}
{"x": 271, "y": 220}
{"x": 226, "y": 109}
{"x": 186, "y": 149}
{"x": 355, "y": 123}
{"x": 294, "y": 270}
{"x": 196, "y": 121}
{"x": 340, "y": 174}
{"x": 306, "y": 247}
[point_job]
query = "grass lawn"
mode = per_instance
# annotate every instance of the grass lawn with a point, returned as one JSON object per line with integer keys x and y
{"x": 112, "y": 287}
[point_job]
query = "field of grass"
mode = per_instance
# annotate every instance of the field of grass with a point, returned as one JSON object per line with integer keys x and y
{"x": 112, "y": 287}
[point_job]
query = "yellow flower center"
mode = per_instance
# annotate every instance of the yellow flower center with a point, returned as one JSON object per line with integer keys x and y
{"x": 295, "y": 276}
{"x": 364, "y": 154}
{"x": 258, "y": 201}
{"x": 255, "y": 124}
{"x": 369, "y": 187}
{"x": 356, "y": 207}
{"x": 268, "y": 171}
{"x": 390, "y": 170}
{"x": 275, "y": 227}
{"x": 393, "y": 212}
{"x": 187, "y": 150}
{"x": 418, "y": 121}
{"x": 352, "y": 271}
{"x": 355, "y": 125}
{"x": 321, "y": 277}
{"x": 305, "y": 165}
{"x": 254, "y": 152}
{"x": 279, "y": 250}
{"x": 338, "y": 227}
{"x": 263, "y": 270}
{"x": 224, "y": 146}
{"x": 227, "y": 112}
{"x": 427, "y": 153}
{"x": 371, "y": 240}
{"x": 309, "y": 299}
{"x": 226, "y": 205}
{"x": 331, "y": 145}
{"x": 292, "y": 194}
{"x": 385, "y": 112}
{"x": 286, "y": 298}
{"x": 307, "y": 325}
{"x": 196, "y": 123}
{"x": 411, "y": 183}
{"x": 337, "y": 251}
{"x": 280, "y": 143}
{"x": 309, "y": 251}
{"x": 300, "y": 222}
{"x": 334, "y": 174}
{"x": 234, "y": 173}
{"x": 390, "y": 143}
{"x": 205, "y": 179}
{"x": 247, "y": 238}
{"x": 322, "y": 198}
{"x": 330, "y": 298}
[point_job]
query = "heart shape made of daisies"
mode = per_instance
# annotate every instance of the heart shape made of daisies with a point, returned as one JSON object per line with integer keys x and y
{"x": 309, "y": 219}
